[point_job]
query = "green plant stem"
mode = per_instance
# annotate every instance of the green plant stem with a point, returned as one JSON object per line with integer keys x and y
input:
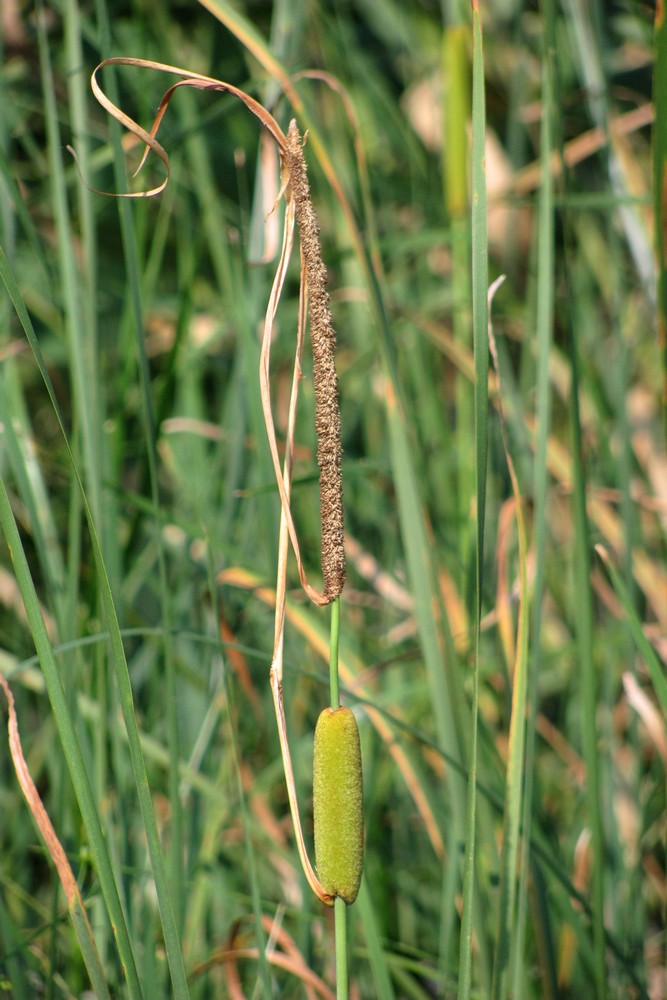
{"x": 544, "y": 328}
{"x": 340, "y": 906}
{"x": 340, "y": 927}
{"x": 583, "y": 603}
{"x": 480, "y": 285}
{"x": 334, "y": 684}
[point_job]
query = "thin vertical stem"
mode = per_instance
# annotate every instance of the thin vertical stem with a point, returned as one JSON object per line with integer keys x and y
{"x": 544, "y": 331}
{"x": 340, "y": 906}
{"x": 333, "y": 654}
{"x": 481, "y": 350}
{"x": 584, "y": 615}
{"x": 340, "y": 927}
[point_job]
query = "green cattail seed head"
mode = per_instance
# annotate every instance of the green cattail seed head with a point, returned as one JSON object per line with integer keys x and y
{"x": 337, "y": 803}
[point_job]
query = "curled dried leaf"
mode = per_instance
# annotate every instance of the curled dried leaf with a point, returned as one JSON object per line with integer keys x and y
{"x": 189, "y": 79}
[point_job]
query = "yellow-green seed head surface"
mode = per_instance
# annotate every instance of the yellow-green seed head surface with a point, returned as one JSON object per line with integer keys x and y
{"x": 338, "y": 803}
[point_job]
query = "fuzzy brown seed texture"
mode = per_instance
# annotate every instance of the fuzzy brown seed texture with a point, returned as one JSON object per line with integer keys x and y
{"x": 323, "y": 340}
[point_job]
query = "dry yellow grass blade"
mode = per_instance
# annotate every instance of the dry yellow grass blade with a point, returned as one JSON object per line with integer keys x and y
{"x": 584, "y": 146}
{"x": 36, "y": 806}
{"x": 189, "y": 79}
{"x": 75, "y": 904}
{"x": 654, "y": 723}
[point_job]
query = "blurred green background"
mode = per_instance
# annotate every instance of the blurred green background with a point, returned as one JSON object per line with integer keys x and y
{"x": 147, "y": 316}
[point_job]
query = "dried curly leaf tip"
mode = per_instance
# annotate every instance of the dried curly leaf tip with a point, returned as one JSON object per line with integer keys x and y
{"x": 323, "y": 339}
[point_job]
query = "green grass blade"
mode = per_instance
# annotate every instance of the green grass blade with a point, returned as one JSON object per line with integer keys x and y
{"x": 18, "y": 444}
{"x": 176, "y": 852}
{"x": 264, "y": 973}
{"x": 516, "y": 763}
{"x": 82, "y": 335}
{"x": 66, "y": 730}
{"x": 367, "y": 918}
{"x": 480, "y": 285}
{"x": 172, "y": 943}
{"x": 12, "y": 195}
{"x": 442, "y": 675}
{"x": 14, "y": 965}
{"x": 91, "y": 956}
{"x": 583, "y": 616}
{"x": 456, "y": 157}
{"x": 544, "y": 325}
{"x": 170, "y": 929}
{"x": 170, "y": 897}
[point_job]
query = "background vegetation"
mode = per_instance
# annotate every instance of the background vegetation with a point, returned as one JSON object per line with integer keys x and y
{"x": 154, "y": 630}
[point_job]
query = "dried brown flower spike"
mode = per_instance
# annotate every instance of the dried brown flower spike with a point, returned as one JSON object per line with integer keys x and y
{"x": 323, "y": 340}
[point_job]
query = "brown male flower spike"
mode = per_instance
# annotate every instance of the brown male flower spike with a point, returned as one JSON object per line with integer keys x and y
{"x": 323, "y": 340}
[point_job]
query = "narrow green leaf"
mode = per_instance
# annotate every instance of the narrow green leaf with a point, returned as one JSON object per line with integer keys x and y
{"x": 480, "y": 285}
{"x": 89, "y": 950}
{"x": 544, "y": 326}
{"x": 172, "y": 943}
{"x": 367, "y": 918}
{"x": 514, "y": 781}
{"x": 65, "y": 726}
{"x": 582, "y": 608}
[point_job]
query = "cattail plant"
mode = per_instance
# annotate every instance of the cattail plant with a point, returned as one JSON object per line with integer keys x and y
{"x": 337, "y": 785}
